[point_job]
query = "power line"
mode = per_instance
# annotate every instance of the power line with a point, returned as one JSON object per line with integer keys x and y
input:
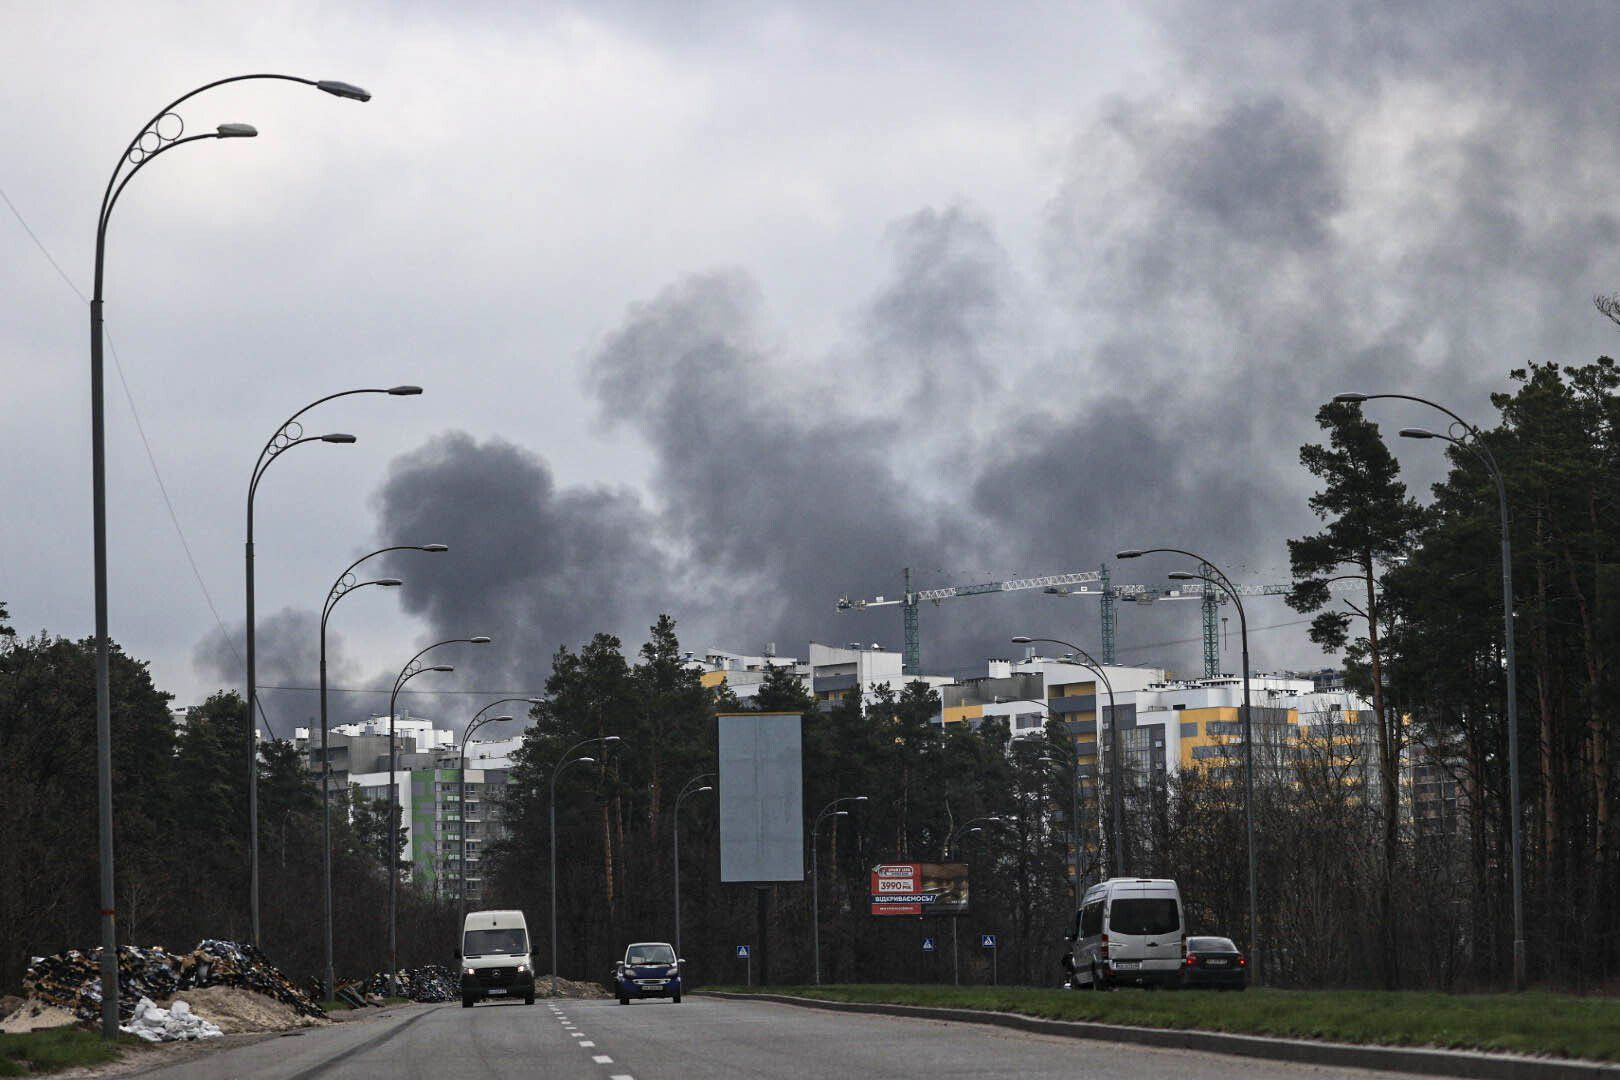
{"x": 140, "y": 429}
{"x": 402, "y": 693}
{"x": 1193, "y": 640}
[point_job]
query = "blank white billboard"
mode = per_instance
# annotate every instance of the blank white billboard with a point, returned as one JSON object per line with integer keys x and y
{"x": 761, "y": 797}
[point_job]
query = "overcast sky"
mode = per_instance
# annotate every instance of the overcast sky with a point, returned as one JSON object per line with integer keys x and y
{"x": 730, "y": 312}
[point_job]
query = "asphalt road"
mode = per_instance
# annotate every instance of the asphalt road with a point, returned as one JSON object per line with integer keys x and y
{"x": 700, "y": 1038}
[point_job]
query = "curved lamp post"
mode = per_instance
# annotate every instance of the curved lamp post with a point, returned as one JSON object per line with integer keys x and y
{"x": 287, "y": 436}
{"x": 1216, "y": 577}
{"x": 830, "y": 810}
{"x": 686, "y": 789}
{"x": 1116, "y": 773}
{"x": 478, "y": 720}
{"x": 1471, "y": 440}
{"x": 562, "y": 763}
{"x": 161, "y": 133}
{"x": 411, "y": 670}
{"x": 967, "y": 828}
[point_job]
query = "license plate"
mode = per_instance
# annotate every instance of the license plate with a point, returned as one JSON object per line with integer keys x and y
{"x": 1217, "y": 963}
{"x": 496, "y": 991}
{"x": 1127, "y": 963}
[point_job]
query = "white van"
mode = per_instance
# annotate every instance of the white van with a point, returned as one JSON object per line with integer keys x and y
{"x": 1128, "y": 930}
{"x": 495, "y": 956}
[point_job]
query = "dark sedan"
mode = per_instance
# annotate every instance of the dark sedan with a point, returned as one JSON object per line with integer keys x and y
{"x": 1214, "y": 962}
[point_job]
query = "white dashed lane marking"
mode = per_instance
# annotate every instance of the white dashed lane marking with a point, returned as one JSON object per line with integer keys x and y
{"x": 602, "y": 1059}
{"x": 587, "y": 1043}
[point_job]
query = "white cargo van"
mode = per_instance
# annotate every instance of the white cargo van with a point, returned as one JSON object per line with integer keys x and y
{"x": 495, "y": 957}
{"x": 1129, "y": 930}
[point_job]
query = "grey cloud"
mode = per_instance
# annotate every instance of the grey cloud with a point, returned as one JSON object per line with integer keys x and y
{"x": 286, "y": 654}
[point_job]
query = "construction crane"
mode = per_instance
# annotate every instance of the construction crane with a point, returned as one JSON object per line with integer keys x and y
{"x": 911, "y": 658}
{"x": 1074, "y": 583}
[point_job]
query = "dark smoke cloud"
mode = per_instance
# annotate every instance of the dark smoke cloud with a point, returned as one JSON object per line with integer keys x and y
{"x": 286, "y": 654}
{"x": 1331, "y": 197}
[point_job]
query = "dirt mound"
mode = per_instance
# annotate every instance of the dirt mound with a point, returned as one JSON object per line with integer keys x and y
{"x": 568, "y": 988}
{"x": 235, "y": 1009}
{"x": 34, "y": 1016}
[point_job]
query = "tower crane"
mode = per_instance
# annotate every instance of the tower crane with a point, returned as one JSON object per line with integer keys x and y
{"x": 1074, "y": 583}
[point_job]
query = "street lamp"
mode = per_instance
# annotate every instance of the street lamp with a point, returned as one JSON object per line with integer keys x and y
{"x": 563, "y": 762}
{"x": 1116, "y": 772}
{"x": 830, "y": 810}
{"x": 478, "y": 720}
{"x": 411, "y": 670}
{"x": 343, "y": 586}
{"x": 1214, "y": 576}
{"x": 1472, "y": 441}
{"x": 287, "y": 436}
{"x": 967, "y": 828}
{"x": 686, "y": 789}
{"x": 162, "y": 132}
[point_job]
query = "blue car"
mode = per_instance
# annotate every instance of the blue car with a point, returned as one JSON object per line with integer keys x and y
{"x": 649, "y": 969}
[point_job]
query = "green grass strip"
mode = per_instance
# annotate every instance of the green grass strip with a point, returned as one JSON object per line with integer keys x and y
{"x": 1559, "y": 1025}
{"x": 54, "y": 1049}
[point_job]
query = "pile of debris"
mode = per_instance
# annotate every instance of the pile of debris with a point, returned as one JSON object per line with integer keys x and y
{"x": 71, "y": 980}
{"x": 568, "y": 988}
{"x": 177, "y": 1023}
{"x": 430, "y": 983}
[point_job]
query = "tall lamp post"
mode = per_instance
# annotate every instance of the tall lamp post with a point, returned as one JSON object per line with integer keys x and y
{"x": 287, "y": 436}
{"x": 346, "y": 583}
{"x": 562, "y": 763}
{"x": 478, "y": 720}
{"x": 1214, "y": 576}
{"x": 686, "y": 789}
{"x": 411, "y": 670}
{"x": 967, "y": 828}
{"x": 1116, "y": 772}
{"x": 829, "y": 811}
{"x": 164, "y": 131}
{"x": 1472, "y": 441}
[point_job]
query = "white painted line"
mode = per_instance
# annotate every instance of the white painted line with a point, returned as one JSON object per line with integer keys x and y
{"x": 621, "y": 1076}
{"x": 577, "y": 1034}
{"x": 587, "y": 1044}
{"x": 602, "y": 1059}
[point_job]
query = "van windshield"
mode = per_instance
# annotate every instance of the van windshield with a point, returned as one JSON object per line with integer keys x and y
{"x": 485, "y": 942}
{"x": 1147, "y": 916}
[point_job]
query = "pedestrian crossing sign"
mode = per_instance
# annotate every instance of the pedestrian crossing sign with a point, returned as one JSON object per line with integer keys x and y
{"x": 928, "y": 944}
{"x": 987, "y": 941}
{"x": 742, "y": 952}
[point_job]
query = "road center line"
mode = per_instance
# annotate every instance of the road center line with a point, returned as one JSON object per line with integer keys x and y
{"x": 587, "y": 1044}
{"x": 602, "y": 1059}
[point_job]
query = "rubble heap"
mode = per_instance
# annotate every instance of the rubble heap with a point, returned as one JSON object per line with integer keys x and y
{"x": 430, "y": 982}
{"x": 72, "y": 979}
{"x": 174, "y": 1024}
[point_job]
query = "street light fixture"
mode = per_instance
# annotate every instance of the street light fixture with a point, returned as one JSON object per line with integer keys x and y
{"x": 166, "y": 136}
{"x": 1217, "y": 578}
{"x": 1471, "y": 439}
{"x": 1116, "y": 771}
{"x": 478, "y": 720}
{"x": 563, "y": 762}
{"x": 413, "y": 667}
{"x": 287, "y": 436}
{"x": 686, "y": 789}
{"x": 828, "y": 811}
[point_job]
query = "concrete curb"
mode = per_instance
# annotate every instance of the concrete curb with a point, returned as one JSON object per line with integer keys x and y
{"x": 1299, "y": 1051}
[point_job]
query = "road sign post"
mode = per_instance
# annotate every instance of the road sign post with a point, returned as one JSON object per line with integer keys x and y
{"x": 745, "y": 954}
{"x": 988, "y": 941}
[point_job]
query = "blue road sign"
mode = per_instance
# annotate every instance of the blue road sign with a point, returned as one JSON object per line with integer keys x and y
{"x": 928, "y": 944}
{"x": 742, "y": 952}
{"x": 987, "y": 941}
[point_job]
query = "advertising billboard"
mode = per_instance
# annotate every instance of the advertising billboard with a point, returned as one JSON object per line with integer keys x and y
{"x": 920, "y": 889}
{"x": 761, "y": 798}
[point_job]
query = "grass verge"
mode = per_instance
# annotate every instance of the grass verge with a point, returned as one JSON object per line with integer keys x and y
{"x": 1560, "y": 1025}
{"x": 55, "y": 1049}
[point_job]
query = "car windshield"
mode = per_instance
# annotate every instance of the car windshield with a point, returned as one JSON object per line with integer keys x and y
{"x": 650, "y": 954}
{"x": 1145, "y": 916}
{"x": 484, "y": 942}
{"x": 1211, "y": 944}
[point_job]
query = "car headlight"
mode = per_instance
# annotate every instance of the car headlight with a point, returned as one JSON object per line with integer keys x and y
{"x": 468, "y": 971}
{"x": 523, "y": 969}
